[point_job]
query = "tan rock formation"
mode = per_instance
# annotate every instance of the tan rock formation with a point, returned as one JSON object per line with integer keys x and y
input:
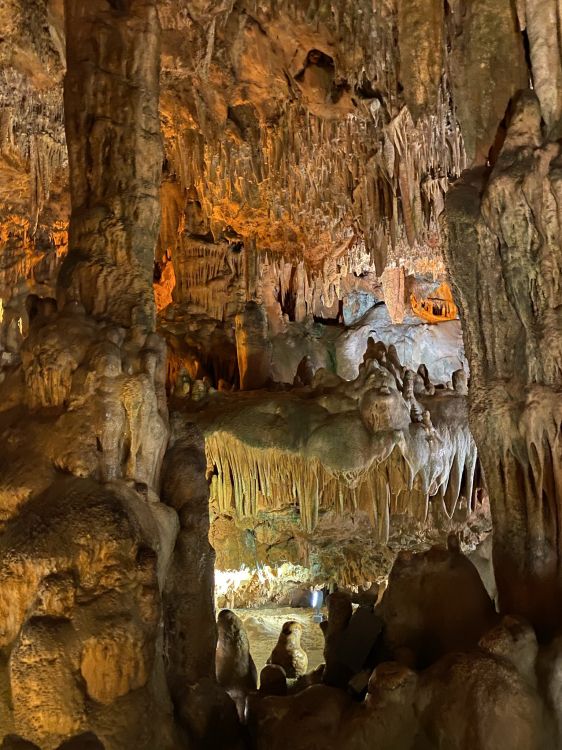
{"x": 189, "y": 618}
{"x": 435, "y": 603}
{"x": 115, "y": 152}
{"x": 262, "y": 186}
{"x": 253, "y": 347}
{"x": 510, "y": 306}
{"x": 81, "y": 614}
{"x": 288, "y": 653}
{"x": 235, "y": 668}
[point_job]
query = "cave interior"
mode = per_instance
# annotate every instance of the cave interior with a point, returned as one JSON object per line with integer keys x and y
{"x": 280, "y": 375}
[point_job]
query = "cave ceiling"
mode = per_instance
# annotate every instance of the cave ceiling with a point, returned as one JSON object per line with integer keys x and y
{"x": 319, "y": 133}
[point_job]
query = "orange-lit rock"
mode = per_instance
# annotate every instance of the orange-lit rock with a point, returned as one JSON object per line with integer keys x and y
{"x": 234, "y": 208}
{"x": 436, "y": 308}
{"x": 164, "y": 285}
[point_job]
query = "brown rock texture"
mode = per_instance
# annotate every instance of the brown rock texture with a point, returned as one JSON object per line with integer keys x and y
{"x": 80, "y": 619}
{"x": 508, "y": 221}
{"x": 115, "y": 152}
{"x": 85, "y": 542}
{"x": 195, "y": 197}
{"x": 435, "y": 603}
{"x": 487, "y": 67}
{"x": 189, "y": 618}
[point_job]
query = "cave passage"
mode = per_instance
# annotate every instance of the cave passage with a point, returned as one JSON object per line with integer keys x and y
{"x": 280, "y": 375}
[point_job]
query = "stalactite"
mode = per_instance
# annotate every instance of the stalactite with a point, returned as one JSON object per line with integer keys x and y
{"x": 46, "y": 157}
{"x": 247, "y": 479}
{"x": 208, "y": 276}
{"x": 270, "y": 177}
{"x": 32, "y": 131}
{"x": 394, "y": 293}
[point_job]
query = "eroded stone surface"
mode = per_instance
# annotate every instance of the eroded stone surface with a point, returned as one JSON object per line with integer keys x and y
{"x": 308, "y": 150}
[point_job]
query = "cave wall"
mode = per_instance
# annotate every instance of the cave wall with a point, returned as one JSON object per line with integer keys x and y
{"x": 508, "y": 218}
{"x": 87, "y": 545}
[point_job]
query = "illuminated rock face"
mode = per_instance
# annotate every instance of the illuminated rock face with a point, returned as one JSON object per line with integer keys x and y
{"x": 79, "y": 585}
{"x": 438, "y": 307}
{"x": 253, "y": 347}
{"x": 314, "y": 482}
{"x": 311, "y": 136}
{"x": 86, "y": 545}
{"x": 346, "y": 445}
{"x": 510, "y": 302}
{"x": 262, "y": 185}
{"x": 115, "y": 199}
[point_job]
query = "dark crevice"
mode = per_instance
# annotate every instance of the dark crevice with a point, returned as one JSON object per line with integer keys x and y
{"x": 527, "y": 48}
{"x": 157, "y": 272}
{"x": 337, "y": 321}
{"x": 121, "y": 6}
{"x": 499, "y": 138}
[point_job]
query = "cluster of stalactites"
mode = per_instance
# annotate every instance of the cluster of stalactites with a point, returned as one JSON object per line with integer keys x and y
{"x": 334, "y": 151}
{"x": 246, "y": 480}
{"x": 312, "y": 293}
{"x": 410, "y": 463}
{"x": 214, "y": 278}
{"x": 32, "y": 133}
{"x": 23, "y": 254}
{"x": 209, "y": 277}
{"x": 289, "y": 197}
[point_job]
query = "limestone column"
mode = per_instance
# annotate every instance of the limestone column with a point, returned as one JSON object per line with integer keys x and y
{"x": 505, "y": 259}
{"x": 188, "y": 596}
{"x": 253, "y": 347}
{"x": 115, "y": 155}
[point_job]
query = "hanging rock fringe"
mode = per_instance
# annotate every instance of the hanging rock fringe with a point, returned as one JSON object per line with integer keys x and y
{"x": 246, "y": 479}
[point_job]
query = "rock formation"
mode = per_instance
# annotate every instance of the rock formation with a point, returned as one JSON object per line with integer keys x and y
{"x": 288, "y": 653}
{"x": 236, "y": 239}
{"x": 115, "y": 153}
{"x": 236, "y": 671}
{"x": 510, "y": 302}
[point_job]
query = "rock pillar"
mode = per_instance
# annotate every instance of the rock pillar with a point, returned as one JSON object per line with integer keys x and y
{"x": 253, "y": 347}
{"x": 505, "y": 259}
{"x": 115, "y": 155}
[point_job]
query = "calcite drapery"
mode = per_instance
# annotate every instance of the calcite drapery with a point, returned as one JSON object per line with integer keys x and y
{"x": 346, "y": 445}
{"x": 115, "y": 154}
{"x": 510, "y": 301}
